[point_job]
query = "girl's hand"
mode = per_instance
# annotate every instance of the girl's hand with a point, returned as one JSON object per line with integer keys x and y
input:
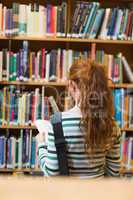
{"x": 40, "y": 138}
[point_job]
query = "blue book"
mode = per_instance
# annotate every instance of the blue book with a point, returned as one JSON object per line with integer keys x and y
{"x": 33, "y": 152}
{"x": 89, "y": 21}
{"x": 48, "y": 9}
{"x": 24, "y": 150}
{"x": 97, "y": 23}
{"x": 90, "y": 5}
{"x": 93, "y": 17}
{"x": 114, "y": 17}
{"x": 118, "y": 106}
{"x": 0, "y": 152}
{"x": 123, "y": 25}
{"x": 25, "y": 60}
{"x": 111, "y": 24}
{"x": 117, "y": 24}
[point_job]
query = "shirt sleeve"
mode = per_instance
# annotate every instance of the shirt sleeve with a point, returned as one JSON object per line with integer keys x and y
{"x": 113, "y": 161}
{"x": 48, "y": 156}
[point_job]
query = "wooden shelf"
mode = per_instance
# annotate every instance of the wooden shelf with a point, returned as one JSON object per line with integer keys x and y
{"x": 32, "y": 83}
{"x": 60, "y": 84}
{"x": 67, "y": 40}
{"x": 33, "y": 127}
{"x": 20, "y": 170}
{"x": 16, "y": 127}
{"x": 126, "y": 129}
{"x": 121, "y": 85}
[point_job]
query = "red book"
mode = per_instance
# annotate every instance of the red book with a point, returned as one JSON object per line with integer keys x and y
{"x": 93, "y": 51}
{"x": 128, "y": 23}
{"x": 116, "y": 72}
{"x": 125, "y": 148}
{"x": 43, "y": 63}
{"x": 52, "y": 24}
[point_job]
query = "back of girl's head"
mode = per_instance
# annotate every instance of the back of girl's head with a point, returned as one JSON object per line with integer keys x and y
{"x": 96, "y": 103}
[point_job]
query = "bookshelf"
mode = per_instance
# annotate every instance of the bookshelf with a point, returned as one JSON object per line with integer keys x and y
{"x": 67, "y": 40}
{"x": 110, "y": 46}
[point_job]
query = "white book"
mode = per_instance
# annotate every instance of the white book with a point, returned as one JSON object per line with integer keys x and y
{"x": 1, "y": 64}
{"x": 53, "y": 104}
{"x": 44, "y": 127}
{"x": 22, "y": 18}
{"x": 64, "y": 65}
{"x": 127, "y": 69}
{"x": 37, "y": 98}
{"x": 30, "y": 21}
{"x": 7, "y": 66}
{"x": 28, "y": 109}
{"x": 47, "y": 66}
{"x": 42, "y": 20}
{"x": 24, "y": 108}
{"x": 104, "y": 29}
{"x": 0, "y": 18}
{"x": 70, "y": 58}
{"x": 20, "y": 110}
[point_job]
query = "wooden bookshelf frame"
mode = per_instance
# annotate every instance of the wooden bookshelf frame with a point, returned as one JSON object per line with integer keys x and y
{"x": 68, "y": 40}
{"x": 33, "y": 127}
{"x": 58, "y": 84}
{"x": 34, "y": 83}
{"x": 20, "y": 170}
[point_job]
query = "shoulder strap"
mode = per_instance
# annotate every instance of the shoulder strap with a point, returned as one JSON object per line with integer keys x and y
{"x": 60, "y": 143}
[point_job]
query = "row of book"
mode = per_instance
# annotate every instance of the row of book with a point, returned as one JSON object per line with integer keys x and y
{"x": 24, "y": 107}
{"x": 127, "y": 151}
{"x": 33, "y": 19}
{"x": 92, "y": 21}
{"x": 54, "y": 64}
{"x": 19, "y": 151}
{"x": 21, "y": 107}
{"x": 123, "y": 104}
{"x": 89, "y": 20}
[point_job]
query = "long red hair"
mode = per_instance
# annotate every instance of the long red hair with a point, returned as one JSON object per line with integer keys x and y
{"x": 96, "y": 104}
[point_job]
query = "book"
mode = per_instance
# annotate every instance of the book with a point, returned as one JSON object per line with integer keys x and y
{"x": 44, "y": 127}
{"x": 127, "y": 69}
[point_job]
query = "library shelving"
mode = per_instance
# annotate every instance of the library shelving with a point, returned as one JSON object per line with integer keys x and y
{"x": 65, "y": 41}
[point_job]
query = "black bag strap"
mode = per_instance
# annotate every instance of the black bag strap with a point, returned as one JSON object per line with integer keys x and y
{"x": 60, "y": 143}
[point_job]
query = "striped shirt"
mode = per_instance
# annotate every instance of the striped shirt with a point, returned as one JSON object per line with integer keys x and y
{"x": 80, "y": 163}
